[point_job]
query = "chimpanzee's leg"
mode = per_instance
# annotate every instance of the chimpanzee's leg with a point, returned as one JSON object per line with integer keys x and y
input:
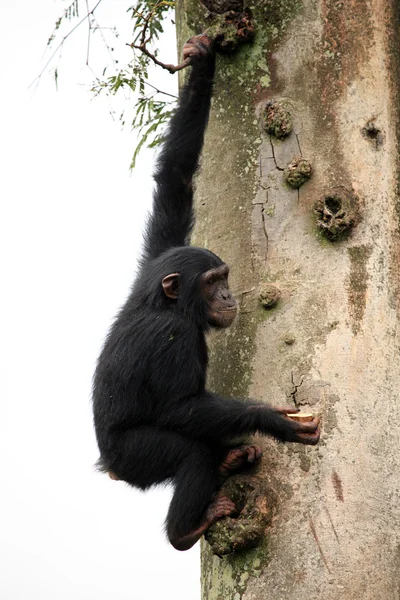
{"x": 148, "y": 456}
{"x": 145, "y": 456}
{"x": 195, "y": 504}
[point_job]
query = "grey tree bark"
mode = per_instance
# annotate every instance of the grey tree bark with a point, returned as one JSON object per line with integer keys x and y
{"x": 332, "y": 343}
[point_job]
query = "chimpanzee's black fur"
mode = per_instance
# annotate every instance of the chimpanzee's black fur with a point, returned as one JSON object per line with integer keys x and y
{"x": 153, "y": 417}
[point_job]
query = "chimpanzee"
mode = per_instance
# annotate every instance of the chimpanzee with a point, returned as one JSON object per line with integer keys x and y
{"x": 154, "y": 419}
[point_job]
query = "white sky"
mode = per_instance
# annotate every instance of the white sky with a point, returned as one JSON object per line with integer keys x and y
{"x": 71, "y": 219}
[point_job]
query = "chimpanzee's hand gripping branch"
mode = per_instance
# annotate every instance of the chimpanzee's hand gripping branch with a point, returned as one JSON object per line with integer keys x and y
{"x": 154, "y": 419}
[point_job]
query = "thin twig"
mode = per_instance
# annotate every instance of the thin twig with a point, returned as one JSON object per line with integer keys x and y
{"x": 100, "y": 30}
{"x": 160, "y": 91}
{"x": 88, "y": 38}
{"x": 64, "y": 39}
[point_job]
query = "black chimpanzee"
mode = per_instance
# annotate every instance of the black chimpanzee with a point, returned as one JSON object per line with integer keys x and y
{"x": 154, "y": 419}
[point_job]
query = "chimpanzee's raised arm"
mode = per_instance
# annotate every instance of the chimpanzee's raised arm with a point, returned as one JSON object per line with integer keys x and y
{"x": 172, "y": 216}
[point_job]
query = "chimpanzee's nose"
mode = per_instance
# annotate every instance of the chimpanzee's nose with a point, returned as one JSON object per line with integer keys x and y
{"x": 226, "y": 295}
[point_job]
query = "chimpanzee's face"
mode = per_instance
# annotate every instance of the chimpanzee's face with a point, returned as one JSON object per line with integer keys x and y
{"x": 222, "y": 306}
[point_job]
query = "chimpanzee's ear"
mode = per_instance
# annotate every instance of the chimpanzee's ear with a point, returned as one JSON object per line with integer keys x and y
{"x": 170, "y": 285}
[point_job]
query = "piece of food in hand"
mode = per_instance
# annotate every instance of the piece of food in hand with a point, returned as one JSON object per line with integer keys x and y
{"x": 301, "y": 417}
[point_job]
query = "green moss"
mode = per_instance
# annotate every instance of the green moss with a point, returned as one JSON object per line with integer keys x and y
{"x": 251, "y": 562}
{"x": 245, "y": 530}
{"x": 277, "y": 120}
{"x": 230, "y": 30}
{"x": 234, "y": 535}
{"x": 220, "y": 6}
{"x": 320, "y": 237}
{"x": 271, "y": 19}
{"x": 245, "y": 565}
{"x": 297, "y": 172}
{"x": 228, "y": 577}
{"x": 270, "y": 210}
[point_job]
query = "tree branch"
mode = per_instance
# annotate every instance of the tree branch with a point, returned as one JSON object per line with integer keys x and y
{"x": 168, "y": 67}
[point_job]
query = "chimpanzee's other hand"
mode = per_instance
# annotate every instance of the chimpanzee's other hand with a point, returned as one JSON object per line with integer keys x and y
{"x": 197, "y": 47}
{"x": 304, "y": 433}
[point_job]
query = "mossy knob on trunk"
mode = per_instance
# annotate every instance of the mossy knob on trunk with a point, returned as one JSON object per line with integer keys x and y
{"x": 230, "y": 29}
{"x": 337, "y": 212}
{"x": 297, "y": 172}
{"x": 277, "y": 119}
{"x": 269, "y": 295}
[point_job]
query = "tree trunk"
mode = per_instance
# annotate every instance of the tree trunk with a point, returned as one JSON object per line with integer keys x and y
{"x": 331, "y": 514}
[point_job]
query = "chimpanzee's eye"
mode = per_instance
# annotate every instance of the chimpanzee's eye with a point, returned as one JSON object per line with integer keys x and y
{"x": 211, "y": 281}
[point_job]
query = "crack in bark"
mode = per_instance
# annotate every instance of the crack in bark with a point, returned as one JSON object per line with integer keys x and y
{"x": 298, "y": 143}
{"x": 259, "y": 252}
{"x": 274, "y": 157}
{"x": 295, "y": 388}
{"x": 265, "y": 229}
{"x": 301, "y": 154}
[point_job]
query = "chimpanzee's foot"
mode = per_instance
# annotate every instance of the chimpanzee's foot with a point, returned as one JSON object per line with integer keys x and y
{"x": 217, "y": 509}
{"x": 222, "y": 506}
{"x": 237, "y": 458}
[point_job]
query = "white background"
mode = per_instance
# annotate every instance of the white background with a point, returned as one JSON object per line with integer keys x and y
{"x": 71, "y": 220}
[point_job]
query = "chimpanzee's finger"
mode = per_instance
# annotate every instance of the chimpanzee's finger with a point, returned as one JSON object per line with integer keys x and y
{"x": 308, "y": 426}
{"x": 286, "y": 410}
{"x": 203, "y": 39}
{"x": 308, "y": 439}
{"x": 254, "y": 453}
{"x": 196, "y": 46}
{"x": 251, "y": 454}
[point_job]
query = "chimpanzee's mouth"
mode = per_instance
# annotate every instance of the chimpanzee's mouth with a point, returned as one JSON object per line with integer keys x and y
{"x": 228, "y": 309}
